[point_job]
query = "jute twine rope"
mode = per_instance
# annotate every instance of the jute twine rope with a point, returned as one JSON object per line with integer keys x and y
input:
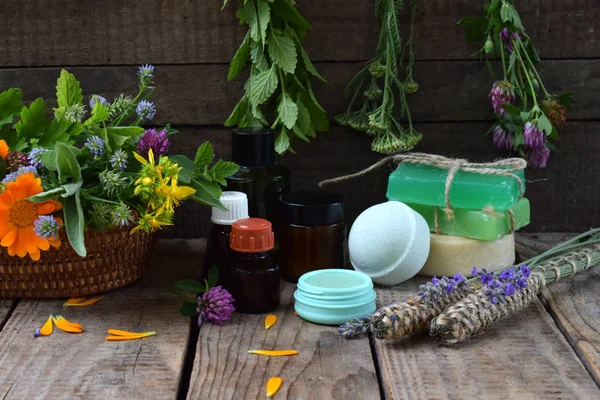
{"x": 474, "y": 314}
{"x": 506, "y": 167}
{"x": 398, "y": 320}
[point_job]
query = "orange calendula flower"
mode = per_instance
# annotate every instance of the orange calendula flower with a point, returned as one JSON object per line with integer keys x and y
{"x": 17, "y": 217}
{"x": 3, "y": 149}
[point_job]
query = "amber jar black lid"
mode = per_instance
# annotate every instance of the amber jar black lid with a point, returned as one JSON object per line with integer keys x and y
{"x": 310, "y": 208}
{"x": 253, "y": 147}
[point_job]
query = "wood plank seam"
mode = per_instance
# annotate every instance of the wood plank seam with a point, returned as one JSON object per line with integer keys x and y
{"x": 377, "y": 365}
{"x": 569, "y": 340}
{"x": 8, "y": 311}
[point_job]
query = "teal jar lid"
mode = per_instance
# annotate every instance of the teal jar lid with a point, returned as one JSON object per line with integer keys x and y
{"x": 333, "y": 296}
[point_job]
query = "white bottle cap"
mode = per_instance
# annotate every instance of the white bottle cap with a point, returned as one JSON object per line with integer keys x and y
{"x": 237, "y": 206}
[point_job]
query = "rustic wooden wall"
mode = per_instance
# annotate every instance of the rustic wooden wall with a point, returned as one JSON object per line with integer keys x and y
{"x": 191, "y": 42}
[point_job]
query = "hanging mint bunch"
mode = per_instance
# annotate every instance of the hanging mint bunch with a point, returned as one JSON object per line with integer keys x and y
{"x": 527, "y": 114}
{"x": 378, "y": 92}
{"x": 280, "y": 73}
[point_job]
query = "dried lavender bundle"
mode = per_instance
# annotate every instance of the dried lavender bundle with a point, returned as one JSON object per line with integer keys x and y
{"x": 398, "y": 320}
{"x": 476, "y": 312}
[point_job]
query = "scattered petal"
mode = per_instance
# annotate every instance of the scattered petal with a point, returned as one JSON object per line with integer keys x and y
{"x": 46, "y": 329}
{"x": 73, "y": 324}
{"x": 270, "y": 320}
{"x": 118, "y": 332}
{"x": 84, "y": 303}
{"x": 273, "y": 386}
{"x": 65, "y": 325}
{"x": 274, "y": 352}
{"x": 72, "y": 301}
{"x": 113, "y": 338}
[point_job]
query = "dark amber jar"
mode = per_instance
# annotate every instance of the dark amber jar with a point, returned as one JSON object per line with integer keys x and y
{"x": 312, "y": 234}
{"x": 259, "y": 176}
{"x": 253, "y": 277}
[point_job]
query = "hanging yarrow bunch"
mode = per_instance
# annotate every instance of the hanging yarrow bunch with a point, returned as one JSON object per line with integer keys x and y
{"x": 527, "y": 115}
{"x": 378, "y": 92}
{"x": 280, "y": 73}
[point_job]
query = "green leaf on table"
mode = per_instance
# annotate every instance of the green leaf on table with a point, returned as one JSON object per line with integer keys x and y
{"x": 223, "y": 169}
{"x": 100, "y": 113}
{"x": 213, "y": 277}
{"x": 74, "y": 223}
{"x": 190, "y": 286}
{"x": 207, "y": 193}
{"x": 68, "y": 91}
{"x": 262, "y": 85}
{"x": 188, "y": 309}
{"x": 66, "y": 163}
{"x": 33, "y": 121}
{"x": 240, "y": 59}
{"x": 11, "y": 102}
{"x": 282, "y": 50}
{"x": 204, "y": 155}
{"x": 287, "y": 111}
{"x": 282, "y": 143}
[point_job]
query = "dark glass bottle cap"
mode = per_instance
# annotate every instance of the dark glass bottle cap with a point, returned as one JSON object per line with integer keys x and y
{"x": 311, "y": 208}
{"x": 253, "y": 147}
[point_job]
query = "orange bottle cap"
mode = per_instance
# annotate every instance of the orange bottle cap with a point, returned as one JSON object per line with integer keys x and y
{"x": 252, "y": 235}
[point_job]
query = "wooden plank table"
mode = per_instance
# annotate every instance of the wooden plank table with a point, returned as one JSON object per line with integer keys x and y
{"x": 550, "y": 351}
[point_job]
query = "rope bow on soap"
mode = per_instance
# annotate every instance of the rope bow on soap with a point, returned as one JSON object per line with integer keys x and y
{"x": 506, "y": 167}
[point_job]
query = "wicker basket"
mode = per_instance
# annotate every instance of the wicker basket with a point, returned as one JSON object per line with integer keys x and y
{"x": 115, "y": 259}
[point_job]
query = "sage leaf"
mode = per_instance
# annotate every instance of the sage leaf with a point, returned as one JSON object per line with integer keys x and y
{"x": 262, "y": 86}
{"x": 68, "y": 91}
{"x": 74, "y": 223}
{"x": 282, "y": 50}
{"x": 67, "y": 164}
{"x": 288, "y": 111}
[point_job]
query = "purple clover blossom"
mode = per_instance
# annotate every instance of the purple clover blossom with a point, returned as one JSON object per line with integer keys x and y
{"x": 508, "y": 38}
{"x": 146, "y": 73}
{"x": 158, "y": 141}
{"x": 35, "y": 157}
{"x": 502, "y": 138}
{"x": 96, "y": 146}
{"x": 215, "y": 305}
{"x": 46, "y": 226}
{"x": 119, "y": 159}
{"x": 145, "y": 110}
{"x": 431, "y": 291}
{"x": 22, "y": 170}
{"x": 96, "y": 98}
{"x": 538, "y": 158}
{"x": 502, "y": 93}
{"x": 534, "y": 137}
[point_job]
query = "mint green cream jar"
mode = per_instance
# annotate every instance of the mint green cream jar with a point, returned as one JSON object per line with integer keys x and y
{"x": 333, "y": 296}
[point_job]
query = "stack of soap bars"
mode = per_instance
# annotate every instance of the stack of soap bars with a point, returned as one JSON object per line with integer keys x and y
{"x": 472, "y": 223}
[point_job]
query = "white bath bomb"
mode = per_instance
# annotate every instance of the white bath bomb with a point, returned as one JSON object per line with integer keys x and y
{"x": 389, "y": 242}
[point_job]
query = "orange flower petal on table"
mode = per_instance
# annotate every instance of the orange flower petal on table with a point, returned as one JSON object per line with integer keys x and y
{"x": 273, "y": 386}
{"x": 275, "y": 353}
{"x": 83, "y": 303}
{"x": 46, "y": 329}
{"x": 270, "y": 321}
{"x": 117, "y": 335}
{"x": 73, "y": 324}
{"x": 65, "y": 325}
{"x": 73, "y": 300}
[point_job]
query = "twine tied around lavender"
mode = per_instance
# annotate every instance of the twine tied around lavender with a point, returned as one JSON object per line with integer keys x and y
{"x": 507, "y": 167}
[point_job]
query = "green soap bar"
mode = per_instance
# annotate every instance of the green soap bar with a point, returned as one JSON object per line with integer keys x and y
{"x": 424, "y": 184}
{"x": 475, "y": 224}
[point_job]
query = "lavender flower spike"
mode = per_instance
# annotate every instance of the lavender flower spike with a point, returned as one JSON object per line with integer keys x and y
{"x": 215, "y": 306}
{"x": 145, "y": 110}
{"x": 158, "y": 141}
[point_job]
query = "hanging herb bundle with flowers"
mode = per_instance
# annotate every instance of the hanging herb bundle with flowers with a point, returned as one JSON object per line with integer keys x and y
{"x": 78, "y": 170}
{"x": 278, "y": 64}
{"x": 527, "y": 115}
{"x": 378, "y": 92}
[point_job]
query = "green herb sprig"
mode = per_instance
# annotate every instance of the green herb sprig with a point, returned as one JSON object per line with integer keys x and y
{"x": 279, "y": 68}
{"x": 377, "y": 93}
{"x": 527, "y": 115}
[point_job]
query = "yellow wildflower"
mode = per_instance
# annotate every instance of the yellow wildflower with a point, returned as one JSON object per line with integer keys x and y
{"x": 173, "y": 194}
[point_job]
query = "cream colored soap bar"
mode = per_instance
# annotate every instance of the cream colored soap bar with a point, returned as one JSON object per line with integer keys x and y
{"x": 449, "y": 255}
